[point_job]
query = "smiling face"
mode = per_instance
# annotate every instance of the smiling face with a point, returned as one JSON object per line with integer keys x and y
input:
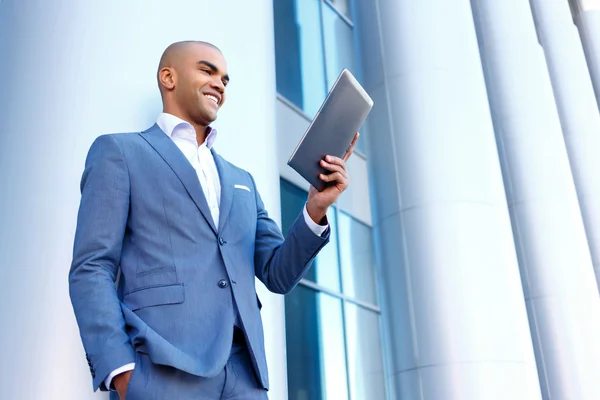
{"x": 192, "y": 79}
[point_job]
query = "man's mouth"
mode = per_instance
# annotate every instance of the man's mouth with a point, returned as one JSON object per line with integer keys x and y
{"x": 213, "y": 98}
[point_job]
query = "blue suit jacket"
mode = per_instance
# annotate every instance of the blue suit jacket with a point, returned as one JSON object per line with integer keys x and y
{"x": 143, "y": 218}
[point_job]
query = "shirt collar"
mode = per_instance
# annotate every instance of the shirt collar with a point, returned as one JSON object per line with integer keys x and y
{"x": 170, "y": 124}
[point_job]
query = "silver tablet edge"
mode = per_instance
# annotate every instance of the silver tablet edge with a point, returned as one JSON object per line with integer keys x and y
{"x": 360, "y": 90}
{"x": 344, "y": 72}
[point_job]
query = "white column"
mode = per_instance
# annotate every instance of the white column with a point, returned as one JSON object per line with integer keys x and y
{"x": 577, "y": 109}
{"x": 587, "y": 17}
{"x": 560, "y": 288}
{"x": 454, "y": 315}
{"x": 73, "y": 70}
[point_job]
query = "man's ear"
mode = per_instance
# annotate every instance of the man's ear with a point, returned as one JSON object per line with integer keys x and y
{"x": 167, "y": 78}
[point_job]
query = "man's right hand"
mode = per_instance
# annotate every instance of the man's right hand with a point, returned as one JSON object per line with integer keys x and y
{"x": 121, "y": 382}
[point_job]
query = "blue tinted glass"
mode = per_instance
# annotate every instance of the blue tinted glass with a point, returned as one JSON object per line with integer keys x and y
{"x": 315, "y": 346}
{"x": 358, "y": 259}
{"x": 292, "y": 201}
{"x": 340, "y": 52}
{"x": 325, "y": 270}
{"x": 327, "y": 263}
{"x": 365, "y": 360}
{"x": 299, "y": 53}
{"x": 339, "y": 45}
{"x": 343, "y": 6}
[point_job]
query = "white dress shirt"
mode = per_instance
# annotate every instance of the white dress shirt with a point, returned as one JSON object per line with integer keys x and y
{"x": 183, "y": 134}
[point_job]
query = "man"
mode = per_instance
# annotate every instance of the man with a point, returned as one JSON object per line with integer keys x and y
{"x": 184, "y": 233}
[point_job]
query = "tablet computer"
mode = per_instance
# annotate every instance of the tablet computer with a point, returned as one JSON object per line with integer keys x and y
{"x": 331, "y": 131}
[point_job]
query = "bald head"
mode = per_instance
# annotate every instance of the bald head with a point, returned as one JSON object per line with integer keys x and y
{"x": 192, "y": 76}
{"x": 177, "y": 51}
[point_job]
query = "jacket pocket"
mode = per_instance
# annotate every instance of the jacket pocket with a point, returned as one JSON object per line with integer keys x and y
{"x": 154, "y": 296}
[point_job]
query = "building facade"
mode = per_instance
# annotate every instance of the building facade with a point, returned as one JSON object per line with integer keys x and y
{"x": 465, "y": 256}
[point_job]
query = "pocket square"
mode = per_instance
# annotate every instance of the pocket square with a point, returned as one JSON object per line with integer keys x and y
{"x": 241, "y": 187}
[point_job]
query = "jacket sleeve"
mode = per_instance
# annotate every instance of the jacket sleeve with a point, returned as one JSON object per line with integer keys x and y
{"x": 281, "y": 263}
{"x": 101, "y": 223}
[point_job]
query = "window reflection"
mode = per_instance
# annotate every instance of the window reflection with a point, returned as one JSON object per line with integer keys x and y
{"x": 340, "y": 52}
{"x": 357, "y": 257}
{"x": 343, "y": 6}
{"x": 333, "y": 346}
{"x": 326, "y": 265}
{"x": 299, "y": 53}
{"x": 339, "y": 45}
{"x": 365, "y": 361}
{"x": 325, "y": 269}
{"x": 315, "y": 346}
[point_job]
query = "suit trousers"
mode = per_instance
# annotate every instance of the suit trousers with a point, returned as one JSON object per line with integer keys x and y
{"x": 237, "y": 381}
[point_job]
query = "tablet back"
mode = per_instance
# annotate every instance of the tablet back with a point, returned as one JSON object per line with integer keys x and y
{"x": 330, "y": 133}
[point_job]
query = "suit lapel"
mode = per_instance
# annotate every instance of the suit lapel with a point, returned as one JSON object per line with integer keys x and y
{"x": 182, "y": 168}
{"x": 226, "y": 189}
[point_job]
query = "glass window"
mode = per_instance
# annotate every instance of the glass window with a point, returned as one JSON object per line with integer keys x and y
{"x": 339, "y": 45}
{"x": 315, "y": 346}
{"x": 340, "y": 53}
{"x": 325, "y": 269}
{"x": 292, "y": 200}
{"x": 343, "y": 6}
{"x": 326, "y": 265}
{"x": 299, "y": 53}
{"x": 365, "y": 361}
{"x": 357, "y": 257}
{"x": 334, "y": 348}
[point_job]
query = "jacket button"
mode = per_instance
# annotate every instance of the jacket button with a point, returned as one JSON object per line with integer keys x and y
{"x": 223, "y": 284}
{"x": 221, "y": 241}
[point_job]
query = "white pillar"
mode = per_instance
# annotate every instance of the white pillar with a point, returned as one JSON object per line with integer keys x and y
{"x": 560, "y": 289}
{"x": 587, "y": 17}
{"x": 452, "y": 300}
{"x": 577, "y": 109}
{"x": 72, "y": 71}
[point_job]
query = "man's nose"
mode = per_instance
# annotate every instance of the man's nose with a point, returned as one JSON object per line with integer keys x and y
{"x": 218, "y": 85}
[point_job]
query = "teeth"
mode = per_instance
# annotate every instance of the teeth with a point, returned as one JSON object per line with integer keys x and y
{"x": 213, "y": 98}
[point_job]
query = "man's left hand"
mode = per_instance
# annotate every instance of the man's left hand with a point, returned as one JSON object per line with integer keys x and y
{"x": 337, "y": 181}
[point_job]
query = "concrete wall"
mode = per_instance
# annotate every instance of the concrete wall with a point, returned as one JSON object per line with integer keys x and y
{"x": 72, "y": 71}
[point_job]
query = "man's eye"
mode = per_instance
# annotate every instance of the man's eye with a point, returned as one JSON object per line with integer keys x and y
{"x": 206, "y": 70}
{"x": 225, "y": 83}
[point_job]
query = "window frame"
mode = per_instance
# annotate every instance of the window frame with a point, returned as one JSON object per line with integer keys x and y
{"x": 341, "y": 14}
{"x": 315, "y": 287}
{"x": 346, "y": 299}
{"x": 290, "y": 103}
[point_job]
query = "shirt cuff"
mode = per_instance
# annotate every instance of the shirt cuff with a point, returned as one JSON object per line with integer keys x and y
{"x": 124, "y": 368}
{"x": 314, "y": 227}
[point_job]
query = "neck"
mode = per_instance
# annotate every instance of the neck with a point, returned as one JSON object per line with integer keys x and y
{"x": 200, "y": 132}
{"x": 199, "y": 128}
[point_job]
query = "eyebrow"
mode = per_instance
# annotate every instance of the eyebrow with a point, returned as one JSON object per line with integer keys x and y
{"x": 214, "y": 68}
